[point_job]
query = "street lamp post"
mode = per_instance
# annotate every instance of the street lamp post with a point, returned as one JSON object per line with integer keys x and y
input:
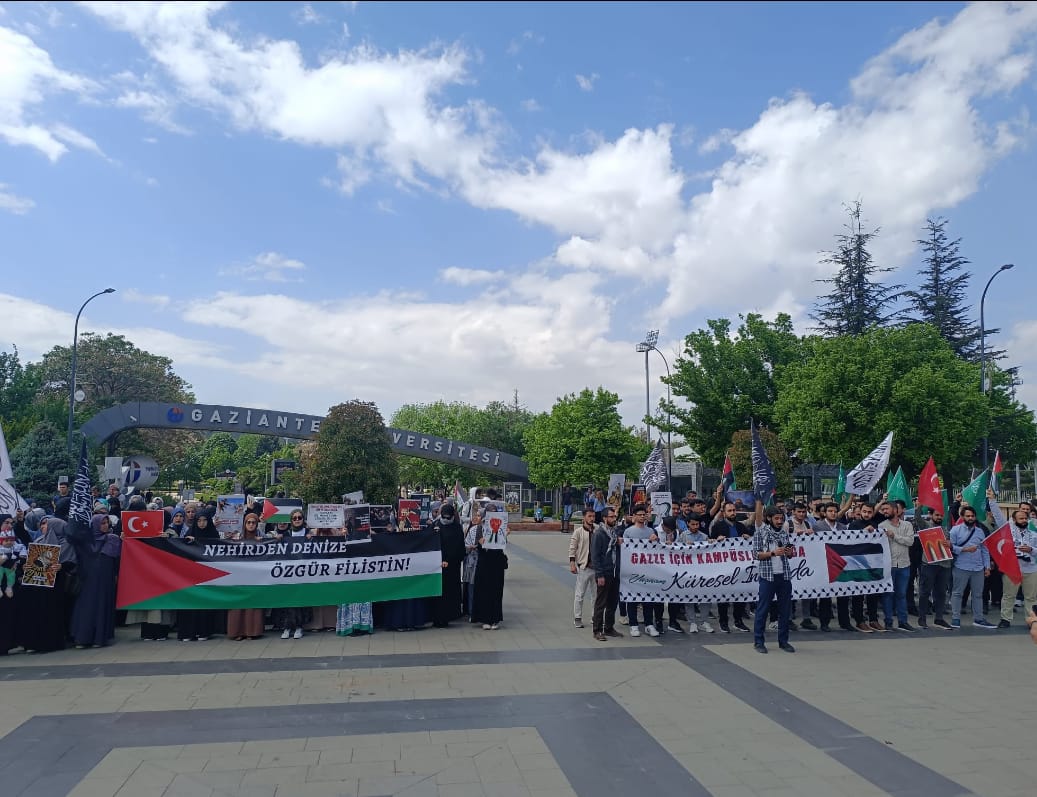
{"x": 72, "y": 379}
{"x": 983, "y": 352}
{"x": 647, "y": 345}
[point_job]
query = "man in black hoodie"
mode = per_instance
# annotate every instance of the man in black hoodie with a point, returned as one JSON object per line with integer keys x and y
{"x": 605, "y": 553}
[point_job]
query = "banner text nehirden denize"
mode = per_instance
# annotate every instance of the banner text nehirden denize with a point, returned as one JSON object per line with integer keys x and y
{"x": 236, "y": 550}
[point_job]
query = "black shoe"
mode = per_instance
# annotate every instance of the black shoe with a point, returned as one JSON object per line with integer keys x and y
{"x": 808, "y": 625}
{"x": 725, "y": 629}
{"x": 741, "y": 627}
{"x": 847, "y": 628}
{"x": 787, "y": 648}
{"x": 906, "y": 627}
{"x": 825, "y": 628}
{"x": 1004, "y": 624}
{"x": 760, "y": 648}
{"x": 675, "y": 626}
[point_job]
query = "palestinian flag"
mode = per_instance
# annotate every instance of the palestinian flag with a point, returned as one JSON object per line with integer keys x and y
{"x": 995, "y": 473}
{"x": 728, "y": 477}
{"x": 279, "y": 510}
{"x": 168, "y": 573}
{"x": 863, "y": 561}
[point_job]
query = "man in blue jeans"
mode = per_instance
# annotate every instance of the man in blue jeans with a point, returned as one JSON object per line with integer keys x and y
{"x": 971, "y": 566}
{"x": 901, "y": 533}
{"x": 772, "y": 549}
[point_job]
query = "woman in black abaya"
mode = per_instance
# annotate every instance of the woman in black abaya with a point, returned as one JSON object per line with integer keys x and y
{"x": 451, "y": 542}
{"x": 40, "y": 611}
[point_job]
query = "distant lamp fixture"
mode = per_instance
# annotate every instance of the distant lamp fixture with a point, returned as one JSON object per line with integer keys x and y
{"x": 80, "y": 395}
{"x": 651, "y": 338}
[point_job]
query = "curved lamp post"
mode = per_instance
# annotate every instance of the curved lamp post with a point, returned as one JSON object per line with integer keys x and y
{"x": 983, "y": 351}
{"x": 72, "y": 379}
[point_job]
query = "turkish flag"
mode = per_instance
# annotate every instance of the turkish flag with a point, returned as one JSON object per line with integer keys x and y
{"x": 929, "y": 487}
{"x": 1002, "y": 550}
{"x": 144, "y": 524}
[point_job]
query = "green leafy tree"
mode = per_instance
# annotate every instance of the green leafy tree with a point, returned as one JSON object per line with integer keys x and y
{"x": 217, "y": 454}
{"x": 941, "y": 298}
{"x": 351, "y": 452}
{"x": 726, "y": 379}
{"x": 1012, "y": 430}
{"x": 498, "y": 426}
{"x": 21, "y": 408}
{"x": 742, "y": 459}
{"x": 582, "y": 439}
{"x": 857, "y": 301}
{"x": 37, "y": 461}
{"x": 851, "y": 390}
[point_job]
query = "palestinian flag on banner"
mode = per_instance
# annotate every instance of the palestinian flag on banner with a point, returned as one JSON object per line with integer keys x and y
{"x": 862, "y": 561}
{"x": 279, "y": 510}
{"x": 168, "y": 573}
{"x": 728, "y": 477}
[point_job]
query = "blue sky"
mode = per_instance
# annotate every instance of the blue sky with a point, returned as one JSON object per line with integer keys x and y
{"x": 306, "y": 203}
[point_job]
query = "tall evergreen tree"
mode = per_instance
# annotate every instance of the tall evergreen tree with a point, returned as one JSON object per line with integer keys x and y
{"x": 941, "y": 297}
{"x": 857, "y": 301}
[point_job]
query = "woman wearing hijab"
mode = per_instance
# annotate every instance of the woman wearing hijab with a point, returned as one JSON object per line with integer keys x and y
{"x": 178, "y": 526}
{"x": 489, "y": 582}
{"x": 31, "y": 526}
{"x": 451, "y": 542}
{"x": 198, "y": 624}
{"x": 471, "y": 562}
{"x": 40, "y": 611}
{"x": 97, "y": 554}
{"x": 408, "y": 614}
{"x": 249, "y": 623}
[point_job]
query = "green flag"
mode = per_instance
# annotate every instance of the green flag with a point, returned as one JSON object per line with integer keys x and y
{"x": 975, "y": 495}
{"x": 946, "y": 510}
{"x": 897, "y": 488}
{"x": 840, "y": 486}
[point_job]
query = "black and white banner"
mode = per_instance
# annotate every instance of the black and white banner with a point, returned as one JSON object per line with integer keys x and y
{"x": 826, "y": 565}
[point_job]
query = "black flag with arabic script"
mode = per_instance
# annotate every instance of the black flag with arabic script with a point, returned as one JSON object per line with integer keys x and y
{"x": 765, "y": 482}
{"x": 653, "y": 472}
{"x": 81, "y": 506}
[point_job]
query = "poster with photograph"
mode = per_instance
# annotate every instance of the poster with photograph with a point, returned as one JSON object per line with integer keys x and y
{"x": 357, "y": 523}
{"x": 662, "y": 505}
{"x": 409, "y": 513}
{"x": 513, "y": 497}
{"x": 37, "y": 571}
{"x": 230, "y": 510}
{"x": 325, "y": 516}
{"x": 381, "y": 518}
{"x": 935, "y": 547}
{"x": 425, "y": 506}
{"x": 355, "y": 497}
{"x": 617, "y": 486}
{"x": 638, "y": 495}
{"x": 495, "y": 531}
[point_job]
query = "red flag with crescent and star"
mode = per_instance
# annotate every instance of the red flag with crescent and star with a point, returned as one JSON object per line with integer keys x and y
{"x": 144, "y": 524}
{"x": 1002, "y": 550}
{"x": 929, "y": 487}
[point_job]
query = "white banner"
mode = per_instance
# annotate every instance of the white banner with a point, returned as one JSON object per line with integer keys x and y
{"x": 325, "y": 516}
{"x": 6, "y": 474}
{"x": 825, "y": 565}
{"x": 862, "y": 479}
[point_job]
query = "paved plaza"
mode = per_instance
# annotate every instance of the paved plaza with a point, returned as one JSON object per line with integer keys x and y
{"x": 536, "y": 708}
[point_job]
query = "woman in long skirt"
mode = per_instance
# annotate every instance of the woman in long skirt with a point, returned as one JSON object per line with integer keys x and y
{"x": 249, "y": 623}
{"x": 471, "y": 563}
{"x": 40, "y": 626}
{"x": 354, "y": 619}
{"x": 198, "y": 624}
{"x": 451, "y": 542}
{"x": 406, "y": 614}
{"x": 489, "y": 585}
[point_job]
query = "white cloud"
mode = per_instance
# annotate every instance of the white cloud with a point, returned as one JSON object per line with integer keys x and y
{"x": 156, "y": 108}
{"x": 531, "y": 105}
{"x": 133, "y": 295}
{"x": 586, "y": 82}
{"x": 307, "y": 15}
{"x": 268, "y": 267}
{"x": 516, "y": 45}
{"x": 27, "y": 77}
{"x": 470, "y": 276}
{"x": 13, "y": 203}
{"x": 1021, "y": 351}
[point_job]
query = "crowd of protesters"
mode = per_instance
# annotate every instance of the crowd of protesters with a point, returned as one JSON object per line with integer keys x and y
{"x": 941, "y": 590}
{"x": 80, "y": 608}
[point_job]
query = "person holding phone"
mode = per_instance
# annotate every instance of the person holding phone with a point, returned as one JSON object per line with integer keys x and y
{"x": 772, "y": 548}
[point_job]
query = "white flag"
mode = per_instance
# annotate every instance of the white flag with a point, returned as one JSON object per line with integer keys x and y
{"x": 862, "y": 479}
{"x": 6, "y": 473}
{"x": 10, "y": 501}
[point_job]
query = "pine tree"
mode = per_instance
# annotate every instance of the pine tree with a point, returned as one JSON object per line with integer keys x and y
{"x": 940, "y": 299}
{"x": 857, "y": 301}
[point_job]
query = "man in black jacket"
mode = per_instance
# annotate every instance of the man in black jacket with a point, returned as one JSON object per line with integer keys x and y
{"x": 605, "y": 551}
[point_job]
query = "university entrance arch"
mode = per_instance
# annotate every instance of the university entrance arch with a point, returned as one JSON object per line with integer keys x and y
{"x": 225, "y": 418}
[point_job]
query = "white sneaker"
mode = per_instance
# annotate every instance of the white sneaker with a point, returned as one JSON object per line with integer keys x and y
{"x": 635, "y": 631}
{"x": 286, "y": 634}
{"x": 298, "y": 633}
{"x": 651, "y": 631}
{"x": 624, "y": 621}
{"x": 693, "y": 628}
{"x": 486, "y": 626}
{"x": 706, "y": 627}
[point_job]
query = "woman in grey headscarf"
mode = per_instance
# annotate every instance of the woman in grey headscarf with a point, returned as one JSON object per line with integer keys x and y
{"x": 40, "y": 610}
{"x": 32, "y": 523}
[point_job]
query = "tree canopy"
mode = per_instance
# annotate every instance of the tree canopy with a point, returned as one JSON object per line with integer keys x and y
{"x": 726, "y": 379}
{"x": 351, "y": 452}
{"x": 37, "y": 461}
{"x": 498, "y": 426}
{"x": 582, "y": 440}
{"x": 742, "y": 459}
{"x": 851, "y": 390}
